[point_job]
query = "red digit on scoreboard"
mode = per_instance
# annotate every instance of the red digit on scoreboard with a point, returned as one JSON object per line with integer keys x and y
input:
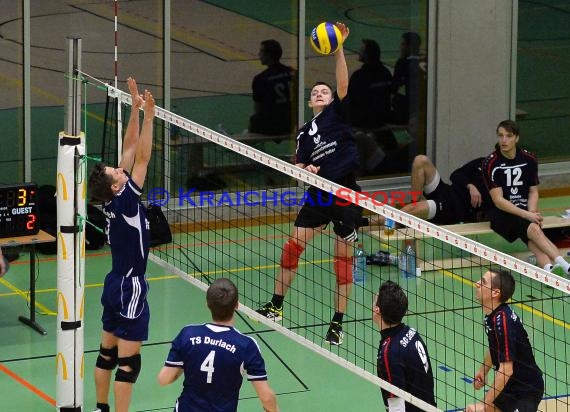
{"x": 31, "y": 222}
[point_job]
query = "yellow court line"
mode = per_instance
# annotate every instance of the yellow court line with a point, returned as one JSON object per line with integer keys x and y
{"x": 19, "y": 292}
{"x": 523, "y": 306}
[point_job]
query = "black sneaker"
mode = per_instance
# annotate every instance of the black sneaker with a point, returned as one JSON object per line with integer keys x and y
{"x": 271, "y": 312}
{"x": 334, "y": 334}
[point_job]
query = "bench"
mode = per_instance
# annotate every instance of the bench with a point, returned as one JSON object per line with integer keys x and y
{"x": 464, "y": 229}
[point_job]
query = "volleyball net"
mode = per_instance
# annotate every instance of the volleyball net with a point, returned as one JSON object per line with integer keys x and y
{"x": 231, "y": 207}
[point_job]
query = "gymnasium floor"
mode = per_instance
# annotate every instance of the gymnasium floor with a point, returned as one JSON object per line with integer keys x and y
{"x": 302, "y": 379}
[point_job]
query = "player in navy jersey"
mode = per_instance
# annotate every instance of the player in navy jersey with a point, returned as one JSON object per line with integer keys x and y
{"x": 511, "y": 175}
{"x": 403, "y": 359}
{"x": 272, "y": 93}
{"x": 325, "y": 146}
{"x": 214, "y": 357}
{"x": 518, "y": 384}
{"x": 125, "y": 308}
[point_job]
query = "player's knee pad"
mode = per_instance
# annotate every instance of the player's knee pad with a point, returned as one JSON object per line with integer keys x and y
{"x": 134, "y": 365}
{"x": 107, "y": 358}
{"x": 291, "y": 253}
{"x": 343, "y": 270}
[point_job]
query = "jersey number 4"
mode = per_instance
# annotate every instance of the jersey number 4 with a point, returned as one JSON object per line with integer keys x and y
{"x": 208, "y": 366}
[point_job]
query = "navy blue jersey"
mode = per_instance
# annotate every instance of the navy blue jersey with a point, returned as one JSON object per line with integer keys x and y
{"x": 127, "y": 231}
{"x": 403, "y": 361}
{"x": 514, "y": 176}
{"x": 214, "y": 359}
{"x": 272, "y": 94}
{"x": 508, "y": 342}
{"x": 327, "y": 141}
{"x": 369, "y": 91}
{"x": 470, "y": 173}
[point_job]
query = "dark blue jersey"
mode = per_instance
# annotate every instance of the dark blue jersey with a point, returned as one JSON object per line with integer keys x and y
{"x": 508, "y": 342}
{"x": 470, "y": 173}
{"x": 214, "y": 359}
{"x": 369, "y": 91}
{"x": 272, "y": 94}
{"x": 403, "y": 361}
{"x": 327, "y": 141}
{"x": 127, "y": 231}
{"x": 514, "y": 176}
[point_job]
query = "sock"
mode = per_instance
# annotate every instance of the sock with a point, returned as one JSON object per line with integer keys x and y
{"x": 277, "y": 301}
{"x": 103, "y": 406}
{"x": 565, "y": 265}
{"x": 337, "y": 317}
{"x": 548, "y": 267}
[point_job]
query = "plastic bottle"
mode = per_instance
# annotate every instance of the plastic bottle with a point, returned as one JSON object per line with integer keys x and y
{"x": 389, "y": 224}
{"x": 407, "y": 261}
{"x": 359, "y": 265}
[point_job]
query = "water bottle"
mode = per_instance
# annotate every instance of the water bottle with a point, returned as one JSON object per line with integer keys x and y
{"x": 359, "y": 265}
{"x": 407, "y": 261}
{"x": 389, "y": 224}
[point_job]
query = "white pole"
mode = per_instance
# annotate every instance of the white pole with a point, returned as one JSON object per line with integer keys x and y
{"x": 71, "y": 193}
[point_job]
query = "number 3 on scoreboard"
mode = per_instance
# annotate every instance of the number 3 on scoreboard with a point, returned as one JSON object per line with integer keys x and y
{"x": 208, "y": 366}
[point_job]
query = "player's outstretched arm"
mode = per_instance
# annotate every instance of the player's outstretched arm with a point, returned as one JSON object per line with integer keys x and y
{"x": 341, "y": 69}
{"x": 132, "y": 133}
{"x": 266, "y": 396}
{"x": 144, "y": 147}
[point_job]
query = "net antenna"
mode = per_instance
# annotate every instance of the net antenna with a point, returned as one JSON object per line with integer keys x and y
{"x": 116, "y": 69}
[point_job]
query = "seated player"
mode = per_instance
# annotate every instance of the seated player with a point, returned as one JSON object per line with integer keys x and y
{"x": 511, "y": 175}
{"x": 464, "y": 200}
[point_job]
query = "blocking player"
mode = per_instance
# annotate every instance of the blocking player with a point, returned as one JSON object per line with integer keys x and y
{"x": 511, "y": 175}
{"x": 125, "y": 308}
{"x": 518, "y": 384}
{"x": 403, "y": 359}
{"x": 325, "y": 146}
{"x": 213, "y": 358}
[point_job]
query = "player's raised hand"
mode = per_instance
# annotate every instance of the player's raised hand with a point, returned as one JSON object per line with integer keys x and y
{"x": 344, "y": 30}
{"x": 148, "y": 105}
{"x": 134, "y": 90}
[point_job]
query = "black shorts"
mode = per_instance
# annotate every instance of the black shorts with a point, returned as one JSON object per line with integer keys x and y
{"x": 447, "y": 203}
{"x": 321, "y": 208}
{"x": 510, "y": 227}
{"x": 508, "y": 402}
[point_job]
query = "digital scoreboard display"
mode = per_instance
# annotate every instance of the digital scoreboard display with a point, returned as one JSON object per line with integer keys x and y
{"x": 18, "y": 210}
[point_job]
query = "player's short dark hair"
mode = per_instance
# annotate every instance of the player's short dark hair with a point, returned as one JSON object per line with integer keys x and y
{"x": 222, "y": 299}
{"x": 321, "y": 83}
{"x": 503, "y": 280}
{"x": 392, "y": 301}
{"x": 413, "y": 40}
{"x": 510, "y": 126}
{"x": 272, "y": 48}
{"x": 100, "y": 183}
{"x": 371, "y": 50}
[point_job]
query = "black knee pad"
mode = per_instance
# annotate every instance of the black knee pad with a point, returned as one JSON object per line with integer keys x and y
{"x": 112, "y": 354}
{"x": 133, "y": 362}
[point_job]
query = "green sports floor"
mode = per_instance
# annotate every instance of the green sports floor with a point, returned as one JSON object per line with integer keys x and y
{"x": 303, "y": 380}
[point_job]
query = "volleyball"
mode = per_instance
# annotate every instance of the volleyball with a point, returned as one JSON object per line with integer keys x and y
{"x": 326, "y": 38}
